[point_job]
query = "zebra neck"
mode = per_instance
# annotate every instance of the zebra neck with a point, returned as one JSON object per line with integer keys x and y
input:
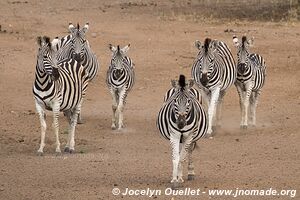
{"x": 42, "y": 79}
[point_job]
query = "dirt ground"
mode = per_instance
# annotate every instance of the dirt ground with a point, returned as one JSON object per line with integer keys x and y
{"x": 162, "y": 47}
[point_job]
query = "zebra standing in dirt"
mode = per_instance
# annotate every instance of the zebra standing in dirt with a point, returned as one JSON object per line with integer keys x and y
{"x": 251, "y": 72}
{"x": 214, "y": 71}
{"x": 120, "y": 79}
{"x": 76, "y": 46}
{"x": 58, "y": 87}
{"x": 183, "y": 121}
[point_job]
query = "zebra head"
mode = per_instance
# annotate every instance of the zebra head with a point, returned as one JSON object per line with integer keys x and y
{"x": 182, "y": 101}
{"x": 243, "y": 52}
{"x": 46, "y": 57}
{"x": 206, "y": 59}
{"x": 78, "y": 40}
{"x": 118, "y": 58}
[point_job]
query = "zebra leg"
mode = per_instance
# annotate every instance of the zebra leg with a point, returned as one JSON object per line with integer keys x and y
{"x": 186, "y": 145}
{"x": 241, "y": 98}
{"x": 180, "y": 164}
{"x": 122, "y": 97}
{"x": 174, "y": 141}
{"x": 72, "y": 126}
{"x": 246, "y": 104}
{"x": 68, "y": 114}
{"x": 219, "y": 109}
{"x": 191, "y": 172}
{"x": 79, "y": 120}
{"x": 212, "y": 109}
{"x": 42, "y": 115}
{"x": 253, "y": 105}
{"x": 56, "y": 110}
{"x": 114, "y": 108}
{"x": 205, "y": 96}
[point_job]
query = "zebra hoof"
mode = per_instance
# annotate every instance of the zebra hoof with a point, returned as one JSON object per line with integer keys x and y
{"x": 191, "y": 177}
{"x": 67, "y": 150}
{"x": 113, "y": 127}
{"x": 176, "y": 185}
{"x": 244, "y": 127}
{"x": 58, "y": 153}
{"x": 40, "y": 153}
{"x": 72, "y": 151}
{"x": 80, "y": 121}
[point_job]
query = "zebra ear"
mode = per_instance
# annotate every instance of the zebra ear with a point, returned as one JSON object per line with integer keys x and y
{"x": 191, "y": 83}
{"x": 39, "y": 40}
{"x": 251, "y": 41}
{"x": 214, "y": 45}
{"x": 173, "y": 83}
{"x": 235, "y": 41}
{"x": 86, "y": 27}
{"x": 71, "y": 27}
{"x": 46, "y": 39}
{"x": 55, "y": 41}
{"x": 125, "y": 49}
{"x": 112, "y": 48}
{"x": 198, "y": 44}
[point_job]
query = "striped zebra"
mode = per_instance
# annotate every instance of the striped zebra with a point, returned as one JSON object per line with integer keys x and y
{"x": 183, "y": 121}
{"x": 214, "y": 72}
{"x": 120, "y": 80}
{"x": 76, "y": 46}
{"x": 251, "y": 73}
{"x": 58, "y": 87}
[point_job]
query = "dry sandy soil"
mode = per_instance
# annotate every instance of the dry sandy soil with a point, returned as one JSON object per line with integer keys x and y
{"x": 137, "y": 157}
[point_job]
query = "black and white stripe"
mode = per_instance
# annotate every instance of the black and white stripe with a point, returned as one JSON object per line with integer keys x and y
{"x": 120, "y": 80}
{"x": 58, "y": 87}
{"x": 214, "y": 71}
{"x": 251, "y": 72}
{"x": 76, "y": 46}
{"x": 183, "y": 121}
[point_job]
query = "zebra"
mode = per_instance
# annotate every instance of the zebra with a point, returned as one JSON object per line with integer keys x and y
{"x": 251, "y": 74}
{"x": 182, "y": 120}
{"x": 76, "y": 46}
{"x": 120, "y": 80}
{"x": 58, "y": 86}
{"x": 214, "y": 71}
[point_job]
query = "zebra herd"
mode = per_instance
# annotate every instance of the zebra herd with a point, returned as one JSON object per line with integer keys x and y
{"x": 66, "y": 65}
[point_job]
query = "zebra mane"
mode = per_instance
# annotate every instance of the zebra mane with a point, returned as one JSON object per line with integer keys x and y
{"x": 206, "y": 44}
{"x": 118, "y": 53}
{"x": 181, "y": 82}
{"x": 78, "y": 26}
{"x": 244, "y": 39}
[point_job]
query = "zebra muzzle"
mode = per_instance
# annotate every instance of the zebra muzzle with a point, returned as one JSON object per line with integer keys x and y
{"x": 241, "y": 68}
{"x": 204, "y": 79}
{"x": 77, "y": 57}
{"x": 118, "y": 73}
{"x": 181, "y": 121}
